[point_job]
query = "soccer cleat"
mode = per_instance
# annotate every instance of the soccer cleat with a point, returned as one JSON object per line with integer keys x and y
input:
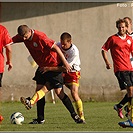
{"x": 26, "y": 102}
{"x": 119, "y": 111}
{"x": 37, "y": 121}
{"x": 125, "y": 124}
{"x": 84, "y": 122}
{"x": 77, "y": 119}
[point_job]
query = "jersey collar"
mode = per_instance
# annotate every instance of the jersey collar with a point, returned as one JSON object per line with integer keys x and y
{"x": 121, "y": 36}
{"x": 32, "y": 33}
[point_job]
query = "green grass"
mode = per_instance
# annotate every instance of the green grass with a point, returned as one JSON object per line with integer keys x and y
{"x": 100, "y": 116}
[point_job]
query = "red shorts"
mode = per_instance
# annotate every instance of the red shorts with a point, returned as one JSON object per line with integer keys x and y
{"x": 71, "y": 78}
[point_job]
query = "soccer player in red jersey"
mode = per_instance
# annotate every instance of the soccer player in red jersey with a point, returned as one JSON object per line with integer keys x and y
{"x": 121, "y": 46}
{"x": 5, "y": 42}
{"x": 118, "y": 107}
{"x": 45, "y": 52}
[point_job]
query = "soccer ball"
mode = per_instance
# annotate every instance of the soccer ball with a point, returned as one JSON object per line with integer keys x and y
{"x": 17, "y": 118}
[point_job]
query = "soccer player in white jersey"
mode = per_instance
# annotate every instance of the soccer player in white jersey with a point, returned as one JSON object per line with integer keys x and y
{"x": 71, "y": 79}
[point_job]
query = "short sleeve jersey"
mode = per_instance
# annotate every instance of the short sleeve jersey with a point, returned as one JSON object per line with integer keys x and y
{"x": 39, "y": 46}
{"x": 120, "y": 51}
{"x": 72, "y": 56}
{"x": 5, "y": 40}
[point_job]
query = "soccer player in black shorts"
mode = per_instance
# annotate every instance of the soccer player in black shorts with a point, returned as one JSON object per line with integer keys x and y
{"x": 45, "y": 52}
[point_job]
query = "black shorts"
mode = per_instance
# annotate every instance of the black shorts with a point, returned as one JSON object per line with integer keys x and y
{"x": 125, "y": 79}
{"x": 1, "y": 75}
{"x": 54, "y": 78}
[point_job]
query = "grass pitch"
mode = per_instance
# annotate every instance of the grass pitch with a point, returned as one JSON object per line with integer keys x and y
{"x": 100, "y": 116}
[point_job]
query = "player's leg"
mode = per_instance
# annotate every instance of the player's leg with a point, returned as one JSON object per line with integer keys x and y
{"x": 39, "y": 78}
{"x": 1, "y": 75}
{"x": 129, "y": 122}
{"x": 68, "y": 104}
{"x": 56, "y": 82}
{"x": 77, "y": 100}
{"x": 37, "y": 96}
{"x": 42, "y": 89}
{"x": 127, "y": 77}
{"x": 123, "y": 101}
{"x": 130, "y": 101}
{"x": 40, "y": 110}
{"x": 131, "y": 95}
{"x": 71, "y": 80}
{"x": 118, "y": 107}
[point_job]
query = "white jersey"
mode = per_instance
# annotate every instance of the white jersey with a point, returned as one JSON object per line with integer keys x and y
{"x": 72, "y": 56}
{"x": 131, "y": 58}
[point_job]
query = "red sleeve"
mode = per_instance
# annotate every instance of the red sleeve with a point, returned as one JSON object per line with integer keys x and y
{"x": 47, "y": 41}
{"x": 17, "y": 39}
{"x": 107, "y": 44}
{"x": 6, "y": 38}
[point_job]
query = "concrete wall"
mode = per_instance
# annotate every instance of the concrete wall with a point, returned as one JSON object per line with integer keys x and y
{"x": 90, "y": 24}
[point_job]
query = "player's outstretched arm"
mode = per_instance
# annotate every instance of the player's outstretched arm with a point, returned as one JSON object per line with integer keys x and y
{"x": 55, "y": 69}
{"x": 64, "y": 61}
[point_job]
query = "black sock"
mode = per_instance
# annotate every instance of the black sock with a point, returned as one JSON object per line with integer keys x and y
{"x": 130, "y": 100}
{"x": 68, "y": 104}
{"x": 123, "y": 101}
{"x": 40, "y": 108}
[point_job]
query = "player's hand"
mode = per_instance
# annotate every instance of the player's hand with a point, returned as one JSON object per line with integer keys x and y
{"x": 68, "y": 67}
{"x": 44, "y": 69}
{"x": 108, "y": 66}
{"x": 9, "y": 65}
